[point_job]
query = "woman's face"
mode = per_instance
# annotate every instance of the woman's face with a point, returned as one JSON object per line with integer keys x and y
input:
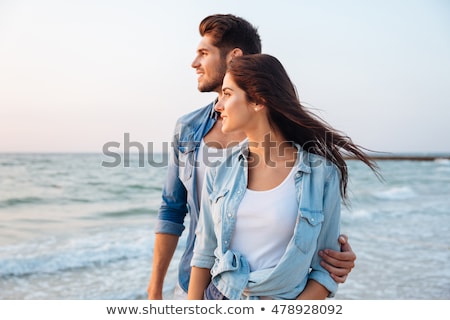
{"x": 236, "y": 111}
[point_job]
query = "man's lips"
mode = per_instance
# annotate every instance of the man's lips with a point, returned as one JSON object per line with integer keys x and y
{"x": 200, "y": 74}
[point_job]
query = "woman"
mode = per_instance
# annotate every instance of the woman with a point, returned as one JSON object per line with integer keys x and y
{"x": 273, "y": 205}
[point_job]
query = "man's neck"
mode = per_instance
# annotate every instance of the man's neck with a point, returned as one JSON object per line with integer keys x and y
{"x": 217, "y": 139}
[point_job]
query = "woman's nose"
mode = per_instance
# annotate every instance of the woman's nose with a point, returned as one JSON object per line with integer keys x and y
{"x": 219, "y": 105}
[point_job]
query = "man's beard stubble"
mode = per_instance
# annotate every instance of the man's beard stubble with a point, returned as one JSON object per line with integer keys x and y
{"x": 215, "y": 84}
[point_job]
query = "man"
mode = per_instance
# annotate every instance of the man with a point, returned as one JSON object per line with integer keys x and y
{"x": 223, "y": 37}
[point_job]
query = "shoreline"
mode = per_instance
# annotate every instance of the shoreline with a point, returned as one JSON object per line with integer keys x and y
{"x": 406, "y": 157}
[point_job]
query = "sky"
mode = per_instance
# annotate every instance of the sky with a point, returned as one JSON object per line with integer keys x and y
{"x": 76, "y": 75}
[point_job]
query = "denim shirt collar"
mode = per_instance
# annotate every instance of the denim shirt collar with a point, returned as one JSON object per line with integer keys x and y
{"x": 214, "y": 114}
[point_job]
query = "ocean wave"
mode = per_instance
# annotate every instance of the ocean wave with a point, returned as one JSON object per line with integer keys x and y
{"x": 21, "y": 201}
{"x": 129, "y": 212}
{"x": 57, "y": 255}
{"x": 396, "y": 193}
{"x": 442, "y": 161}
{"x": 356, "y": 214}
{"x": 137, "y": 186}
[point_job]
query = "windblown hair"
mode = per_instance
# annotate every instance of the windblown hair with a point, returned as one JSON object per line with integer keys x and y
{"x": 229, "y": 31}
{"x": 266, "y": 82}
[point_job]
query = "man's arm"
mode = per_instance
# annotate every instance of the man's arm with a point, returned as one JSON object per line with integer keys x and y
{"x": 169, "y": 225}
{"x": 339, "y": 264}
{"x": 165, "y": 245}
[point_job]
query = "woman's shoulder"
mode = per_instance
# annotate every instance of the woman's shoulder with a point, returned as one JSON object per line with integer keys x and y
{"x": 317, "y": 164}
{"x": 233, "y": 156}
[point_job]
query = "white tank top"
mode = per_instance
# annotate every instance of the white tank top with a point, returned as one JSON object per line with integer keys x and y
{"x": 265, "y": 223}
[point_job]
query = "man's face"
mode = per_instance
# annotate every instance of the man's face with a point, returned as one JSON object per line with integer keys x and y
{"x": 210, "y": 66}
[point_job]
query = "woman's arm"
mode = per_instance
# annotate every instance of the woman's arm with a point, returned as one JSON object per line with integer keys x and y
{"x": 205, "y": 243}
{"x": 313, "y": 291}
{"x": 329, "y": 231}
{"x": 200, "y": 278}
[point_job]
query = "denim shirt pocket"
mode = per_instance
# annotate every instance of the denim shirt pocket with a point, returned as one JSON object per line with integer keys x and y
{"x": 217, "y": 200}
{"x": 186, "y": 161}
{"x": 308, "y": 228}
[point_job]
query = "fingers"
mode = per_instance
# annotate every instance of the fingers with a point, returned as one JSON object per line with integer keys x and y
{"x": 338, "y": 267}
{"x": 338, "y": 259}
{"x": 338, "y": 274}
{"x": 338, "y": 279}
{"x": 345, "y": 246}
{"x": 346, "y": 253}
{"x": 339, "y": 264}
{"x": 343, "y": 239}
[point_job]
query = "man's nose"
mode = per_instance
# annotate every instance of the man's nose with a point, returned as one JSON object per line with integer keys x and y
{"x": 195, "y": 63}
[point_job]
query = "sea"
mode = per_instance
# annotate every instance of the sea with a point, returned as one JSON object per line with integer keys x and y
{"x": 81, "y": 227}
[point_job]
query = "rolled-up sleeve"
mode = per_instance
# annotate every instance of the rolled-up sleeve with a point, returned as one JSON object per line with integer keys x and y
{"x": 206, "y": 240}
{"x": 173, "y": 208}
{"x": 330, "y": 231}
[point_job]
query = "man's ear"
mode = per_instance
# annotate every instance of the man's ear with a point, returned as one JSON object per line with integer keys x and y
{"x": 236, "y": 52}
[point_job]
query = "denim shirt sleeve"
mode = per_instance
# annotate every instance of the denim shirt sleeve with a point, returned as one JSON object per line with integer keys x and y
{"x": 173, "y": 207}
{"x": 206, "y": 240}
{"x": 330, "y": 230}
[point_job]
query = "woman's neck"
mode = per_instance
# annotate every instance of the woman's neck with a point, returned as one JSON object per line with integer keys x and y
{"x": 270, "y": 148}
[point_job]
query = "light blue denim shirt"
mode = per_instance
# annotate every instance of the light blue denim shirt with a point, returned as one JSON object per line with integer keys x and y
{"x": 179, "y": 195}
{"x": 317, "y": 227}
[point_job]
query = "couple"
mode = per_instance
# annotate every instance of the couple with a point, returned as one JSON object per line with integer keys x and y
{"x": 269, "y": 210}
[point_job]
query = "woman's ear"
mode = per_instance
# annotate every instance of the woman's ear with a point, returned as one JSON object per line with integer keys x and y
{"x": 257, "y": 107}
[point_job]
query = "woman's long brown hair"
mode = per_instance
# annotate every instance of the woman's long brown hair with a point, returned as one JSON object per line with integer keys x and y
{"x": 266, "y": 82}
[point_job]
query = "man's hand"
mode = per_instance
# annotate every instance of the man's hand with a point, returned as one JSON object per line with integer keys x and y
{"x": 152, "y": 295}
{"x": 339, "y": 264}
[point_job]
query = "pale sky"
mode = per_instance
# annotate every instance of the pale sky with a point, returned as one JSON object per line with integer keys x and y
{"x": 75, "y": 75}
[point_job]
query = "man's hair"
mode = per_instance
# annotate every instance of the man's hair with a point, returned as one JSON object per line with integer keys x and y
{"x": 229, "y": 31}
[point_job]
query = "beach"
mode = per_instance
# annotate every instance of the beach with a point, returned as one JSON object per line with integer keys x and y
{"x": 72, "y": 228}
